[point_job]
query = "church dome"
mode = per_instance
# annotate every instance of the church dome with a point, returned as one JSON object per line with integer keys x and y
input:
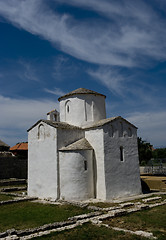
{"x": 80, "y": 91}
{"x": 82, "y": 107}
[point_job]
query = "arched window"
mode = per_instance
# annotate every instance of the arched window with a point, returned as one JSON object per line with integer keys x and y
{"x": 67, "y": 109}
{"x": 111, "y": 131}
{"x": 129, "y": 132}
{"x": 121, "y": 130}
{"x": 41, "y": 132}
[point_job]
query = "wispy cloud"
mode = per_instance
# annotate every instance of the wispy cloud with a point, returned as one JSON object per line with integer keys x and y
{"x": 63, "y": 67}
{"x": 28, "y": 71}
{"x": 19, "y": 69}
{"x": 131, "y": 40}
{"x": 17, "y": 115}
{"x": 111, "y": 78}
{"x": 55, "y": 91}
{"x": 151, "y": 126}
{"x": 125, "y": 85}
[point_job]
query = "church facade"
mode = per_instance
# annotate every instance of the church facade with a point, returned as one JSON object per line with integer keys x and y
{"x": 79, "y": 154}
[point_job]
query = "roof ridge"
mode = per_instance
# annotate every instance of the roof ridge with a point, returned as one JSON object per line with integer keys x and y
{"x": 80, "y": 91}
{"x": 80, "y": 144}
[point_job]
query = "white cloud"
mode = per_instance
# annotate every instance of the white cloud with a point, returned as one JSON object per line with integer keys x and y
{"x": 28, "y": 71}
{"x": 109, "y": 77}
{"x": 135, "y": 92}
{"x": 55, "y": 91}
{"x": 151, "y": 126}
{"x": 17, "y": 115}
{"x": 128, "y": 37}
{"x": 20, "y": 69}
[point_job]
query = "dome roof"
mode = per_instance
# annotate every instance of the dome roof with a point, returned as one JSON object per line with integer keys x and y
{"x": 81, "y": 91}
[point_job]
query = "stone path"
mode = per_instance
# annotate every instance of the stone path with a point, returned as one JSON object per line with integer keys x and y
{"x": 96, "y": 217}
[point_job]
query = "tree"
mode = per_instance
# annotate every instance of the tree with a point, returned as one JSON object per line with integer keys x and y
{"x": 159, "y": 153}
{"x": 144, "y": 151}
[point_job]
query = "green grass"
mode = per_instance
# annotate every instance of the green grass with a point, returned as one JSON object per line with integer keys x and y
{"x": 25, "y": 215}
{"x": 4, "y": 197}
{"x": 90, "y": 232}
{"x": 152, "y": 220}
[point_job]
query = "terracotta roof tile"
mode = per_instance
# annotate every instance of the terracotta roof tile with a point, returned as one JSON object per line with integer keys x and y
{"x": 20, "y": 146}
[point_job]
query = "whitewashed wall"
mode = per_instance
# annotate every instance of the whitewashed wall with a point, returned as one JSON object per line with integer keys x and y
{"x": 76, "y": 183}
{"x": 68, "y": 136}
{"x": 80, "y": 110}
{"x": 42, "y": 162}
{"x": 122, "y": 178}
{"x": 96, "y": 139}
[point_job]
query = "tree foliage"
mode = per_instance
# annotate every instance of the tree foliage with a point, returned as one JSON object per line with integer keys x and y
{"x": 144, "y": 151}
{"x": 159, "y": 153}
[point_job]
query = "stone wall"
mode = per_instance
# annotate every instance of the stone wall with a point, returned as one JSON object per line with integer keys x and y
{"x": 156, "y": 170}
{"x": 13, "y": 167}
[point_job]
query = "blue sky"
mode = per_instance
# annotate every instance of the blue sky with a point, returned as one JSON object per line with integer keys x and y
{"x": 49, "y": 48}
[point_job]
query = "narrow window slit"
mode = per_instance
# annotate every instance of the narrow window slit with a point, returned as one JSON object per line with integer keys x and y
{"x": 85, "y": 165}
{"x": 121, "y": 154}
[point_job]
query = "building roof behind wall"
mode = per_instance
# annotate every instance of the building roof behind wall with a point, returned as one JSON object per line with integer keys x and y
{"x": 20, "y": 146}
{"x": 81, "y": 144}
{"x": 81, "y": 91}
{"x": 55, "y": 125}
{"x": 2, "y": 144}
{"x": 106, "y": 121}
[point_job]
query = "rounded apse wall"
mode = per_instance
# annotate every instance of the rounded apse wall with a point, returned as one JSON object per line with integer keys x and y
{"x": 76, "y": 175}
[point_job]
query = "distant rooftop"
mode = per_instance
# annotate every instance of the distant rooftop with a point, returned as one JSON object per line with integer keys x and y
{"x": 20, "y": 146}
{"x": 81, "y": 91}
{"x": 2, "y": 144}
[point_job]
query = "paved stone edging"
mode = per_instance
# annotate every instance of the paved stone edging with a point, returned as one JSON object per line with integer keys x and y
{"x": 73, "y": 222}
{"x": 10, "y": 189}
{"x": 13, "y": 181}
{"x": 17, "y": 200}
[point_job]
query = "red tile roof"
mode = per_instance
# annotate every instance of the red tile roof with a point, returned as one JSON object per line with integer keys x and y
{"x": 20, "y": 146}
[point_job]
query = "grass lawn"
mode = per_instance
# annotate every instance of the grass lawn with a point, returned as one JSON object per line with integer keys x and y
{"x": 91, "y": 232}
{"x": 25, "y": 215}
{"x": 151, "y": 220}
{"x": 4, "y": 197}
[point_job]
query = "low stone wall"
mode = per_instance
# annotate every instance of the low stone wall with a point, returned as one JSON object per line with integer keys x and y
{"x": 13, "y": 167}
{"x": 156, "y": 170}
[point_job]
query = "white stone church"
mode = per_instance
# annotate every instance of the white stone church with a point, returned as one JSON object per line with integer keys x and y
{"x": 80, "y": 154}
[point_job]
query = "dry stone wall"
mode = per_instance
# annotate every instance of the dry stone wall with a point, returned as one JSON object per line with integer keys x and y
{"x": 13, "y": 167}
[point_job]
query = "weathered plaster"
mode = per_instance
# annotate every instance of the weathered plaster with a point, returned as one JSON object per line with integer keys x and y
{"x": 76, "y": 181}
{"x": 42, "y": 164}
{"x": 81, "y": 109}
{"x": 95, "y": 138}
{"x": 57, "y": 161}
{"x": 122, "y": 178}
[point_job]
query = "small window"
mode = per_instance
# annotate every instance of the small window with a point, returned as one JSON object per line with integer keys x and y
{"x": 121, "y": 154}
{"x": 129, "y": 132}
{"x": 85, "y": 165}
{"x": 41, "y": 132}
{"x": 121, "y": 130}
{"x": 67, "y": 110}
{"x": 111, "y": 131}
